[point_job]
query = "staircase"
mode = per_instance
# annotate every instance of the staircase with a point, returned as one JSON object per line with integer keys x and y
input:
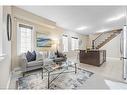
{"x": 104, "y": 38}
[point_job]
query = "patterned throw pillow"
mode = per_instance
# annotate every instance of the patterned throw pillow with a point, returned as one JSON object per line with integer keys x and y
{"x": 31, "y": 56}
{"x": 34, "y": 56}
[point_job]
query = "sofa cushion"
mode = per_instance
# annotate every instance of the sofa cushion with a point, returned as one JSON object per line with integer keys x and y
{"x": 31, "y": 56}
{"x": 34, "y": 63}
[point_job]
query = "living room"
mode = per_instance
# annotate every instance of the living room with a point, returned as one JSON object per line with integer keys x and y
{"x": 34, "y": 32}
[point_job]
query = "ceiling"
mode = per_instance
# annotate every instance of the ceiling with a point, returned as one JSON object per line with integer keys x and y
{"x": 72, "y": 17}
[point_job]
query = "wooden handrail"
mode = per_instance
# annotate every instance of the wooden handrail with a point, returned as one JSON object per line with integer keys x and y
{"x": 93, "y": 46}
{"x": 102, "y": 34}
{"x": 107, "y": 32}
{"x": 98, "y": 36}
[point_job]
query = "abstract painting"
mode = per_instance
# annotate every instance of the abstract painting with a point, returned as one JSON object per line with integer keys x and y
{"x": 43, "y": 40}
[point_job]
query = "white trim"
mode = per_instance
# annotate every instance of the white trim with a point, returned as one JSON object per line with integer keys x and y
{"x": 18, "y": 38}
{"x": 2, "y": 57}
{"x": 113, "y": 58}
{"x": 9, "y": 81}
{"x": 1, "y": 31}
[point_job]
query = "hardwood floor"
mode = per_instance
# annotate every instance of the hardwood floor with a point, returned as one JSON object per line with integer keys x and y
{"x": 111, "y": 69}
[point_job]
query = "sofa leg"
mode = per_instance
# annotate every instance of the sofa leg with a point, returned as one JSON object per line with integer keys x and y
{"x": 23, "y": 74}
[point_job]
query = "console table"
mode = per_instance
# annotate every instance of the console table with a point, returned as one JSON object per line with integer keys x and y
{"x": 92, "y": 57}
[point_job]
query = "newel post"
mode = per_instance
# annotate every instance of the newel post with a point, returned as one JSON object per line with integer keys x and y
{"x": 93, "y": 44}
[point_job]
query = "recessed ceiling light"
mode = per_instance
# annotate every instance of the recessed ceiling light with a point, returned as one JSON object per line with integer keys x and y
{"x": 81, "y": 28}
{"x": 116, "y": 18}
{"x": 102, "y": 30}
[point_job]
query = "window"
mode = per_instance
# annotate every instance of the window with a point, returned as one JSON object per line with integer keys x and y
{"x": 65, "y": 43}
{"x": 25, "y": 38}
{"x": 74, "y": 43}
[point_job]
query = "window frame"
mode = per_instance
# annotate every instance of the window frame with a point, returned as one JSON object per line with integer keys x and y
{"x": 19, "y": 36}
{"x": 67, "y": 43}
{"x": 75, "y": 47}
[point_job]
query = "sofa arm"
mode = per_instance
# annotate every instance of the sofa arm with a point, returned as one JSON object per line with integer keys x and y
{"x": 23, "y": 62}
{"x": 40, "y": 62}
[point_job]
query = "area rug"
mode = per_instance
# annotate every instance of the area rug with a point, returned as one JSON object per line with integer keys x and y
{"x": 64, "y": 81}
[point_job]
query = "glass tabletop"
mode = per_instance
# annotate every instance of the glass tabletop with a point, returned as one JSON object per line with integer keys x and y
{"x": 52, "y": 66}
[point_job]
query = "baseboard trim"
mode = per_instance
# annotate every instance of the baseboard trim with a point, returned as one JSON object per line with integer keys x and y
{"x": 9, "y": 81}
{"x": 113, "y": 58}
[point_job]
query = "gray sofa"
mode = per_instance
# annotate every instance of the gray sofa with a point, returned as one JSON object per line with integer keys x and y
{"x": 28, "y": 66}
{"x": 45, "y": 57}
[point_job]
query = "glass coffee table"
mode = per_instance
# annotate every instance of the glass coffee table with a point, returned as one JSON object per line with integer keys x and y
{"x": 62, "y": 67}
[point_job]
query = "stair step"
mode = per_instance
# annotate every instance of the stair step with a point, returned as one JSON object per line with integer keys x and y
{"x": 108, "y": 39}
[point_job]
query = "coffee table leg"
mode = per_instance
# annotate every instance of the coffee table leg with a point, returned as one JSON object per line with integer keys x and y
{"x": 48, "y": 80}
{"x": 42, "y": 73}
{"x": 17, "y": 84}
{"x": 75, "y": 68}
{"x": 67, "y": 66}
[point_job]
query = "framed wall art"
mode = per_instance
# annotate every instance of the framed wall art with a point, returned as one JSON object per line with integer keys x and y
{"x": 43, "y": 40}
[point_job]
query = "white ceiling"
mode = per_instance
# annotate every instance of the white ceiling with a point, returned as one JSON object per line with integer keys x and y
{"x": 72, "y": 17}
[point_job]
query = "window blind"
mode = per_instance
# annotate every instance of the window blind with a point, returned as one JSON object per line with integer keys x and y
{"x": 25, "y": 38}
{"x": 74, "y": 43}
{"x": 65, "y": 43}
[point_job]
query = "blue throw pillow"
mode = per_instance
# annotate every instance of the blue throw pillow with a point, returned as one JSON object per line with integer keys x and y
{"x": 34, "y": 56}
{"x": 31, "y": 56}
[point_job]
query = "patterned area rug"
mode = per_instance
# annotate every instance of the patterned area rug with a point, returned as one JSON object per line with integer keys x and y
{"x": 64, "y": 81}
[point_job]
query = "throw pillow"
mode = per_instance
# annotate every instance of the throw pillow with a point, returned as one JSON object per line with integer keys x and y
{"x": 39, "y": 56}
{"x": 34, "y": 56}
{"x": 57, "y": 53}
{"x": 31, "y": 56}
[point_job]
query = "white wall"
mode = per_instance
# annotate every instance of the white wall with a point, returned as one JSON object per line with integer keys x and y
{"x": 5, "y": 64}
{"x": 113, "y": 48}
{"x": 41, "y": 25}
{"x": 1, "y": 10}
{"x": 82, "y": 38}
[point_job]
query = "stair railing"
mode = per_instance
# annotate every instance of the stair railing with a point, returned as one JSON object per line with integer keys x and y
{"x": 102, "y": 38}
{"x": 93, "y": 41}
